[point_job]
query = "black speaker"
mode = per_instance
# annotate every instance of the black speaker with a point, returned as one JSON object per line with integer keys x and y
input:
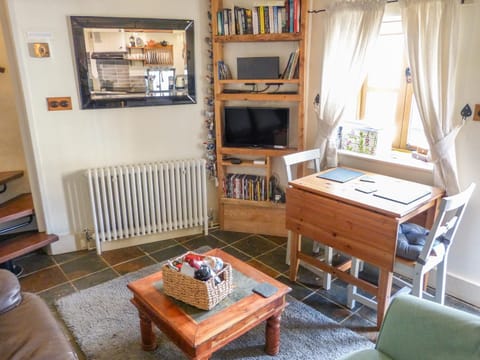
{"x": 258, "y": 67}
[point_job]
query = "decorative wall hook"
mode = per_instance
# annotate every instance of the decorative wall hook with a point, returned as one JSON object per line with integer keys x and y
{"x": 466, "y": 112}
{"x": 2, "y": 69}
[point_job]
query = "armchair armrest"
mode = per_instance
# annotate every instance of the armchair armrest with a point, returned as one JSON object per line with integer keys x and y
{"x": 10, "y": 291}
{"x": 418, "y": 328}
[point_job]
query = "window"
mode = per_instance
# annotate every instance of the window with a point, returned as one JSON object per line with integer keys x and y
{"x": 386, "y": 100}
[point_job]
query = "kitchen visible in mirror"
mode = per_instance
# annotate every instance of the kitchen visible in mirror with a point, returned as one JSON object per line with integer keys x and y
{"x": 129, "y": 62}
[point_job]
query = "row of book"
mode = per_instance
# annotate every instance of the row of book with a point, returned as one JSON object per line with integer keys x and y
{"x": 291, "y": 69}
{"x": 245, "y": 187}
{"x": 263, "y": 19}
{"x": 223, "y": 71}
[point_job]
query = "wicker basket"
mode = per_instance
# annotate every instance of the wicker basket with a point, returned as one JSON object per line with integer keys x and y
{"x": 201, "y": 294}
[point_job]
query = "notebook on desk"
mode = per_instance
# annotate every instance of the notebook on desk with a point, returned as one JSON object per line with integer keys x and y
{"x": 340, "y": 175}
{"x": 403, "y": 195}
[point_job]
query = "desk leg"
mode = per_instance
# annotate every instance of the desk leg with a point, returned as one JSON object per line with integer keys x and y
{"x": 383, "y": 294}
{"x": 294, "y": 249}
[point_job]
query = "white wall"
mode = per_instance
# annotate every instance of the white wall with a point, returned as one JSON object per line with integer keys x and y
{"x": 67, "y": 142}
{"x": 463, "y": 279}
{"x": 464, "y": 260}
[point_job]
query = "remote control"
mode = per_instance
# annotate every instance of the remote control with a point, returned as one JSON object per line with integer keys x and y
{"x": 265, "y": 289}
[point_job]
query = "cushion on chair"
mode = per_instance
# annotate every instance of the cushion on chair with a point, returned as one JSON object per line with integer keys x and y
{"x": 410, "y": 240}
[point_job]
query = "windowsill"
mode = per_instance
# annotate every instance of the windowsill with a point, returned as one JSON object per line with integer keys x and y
{"x": 396, "y": 158}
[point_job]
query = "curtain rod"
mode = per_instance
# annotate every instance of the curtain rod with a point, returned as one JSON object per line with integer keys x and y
{"x": 388, "y": 2}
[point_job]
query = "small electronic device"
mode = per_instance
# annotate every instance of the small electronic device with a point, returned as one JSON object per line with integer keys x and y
{"x": 367, "y": 188}
{"x": 367, "y": 179}
{"x": 265, "y": 289}
{"x": 236, "y": 161}
{"x": 258, "y": 67}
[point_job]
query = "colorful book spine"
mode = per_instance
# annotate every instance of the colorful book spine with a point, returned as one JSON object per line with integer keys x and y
{"x": 220, "y": 28}
{"x": 255, "y": 21}
{"x": 261, "y": 16}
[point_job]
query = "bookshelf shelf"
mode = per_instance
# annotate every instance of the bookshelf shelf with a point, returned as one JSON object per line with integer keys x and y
{"x": 257, "y": 97}
{"x": 265, "y": 217}
{"x": 245, "y": 163}
{"x": 258, "y": 81}
{"x": 257, "y": 204}
{"x": 256, "y": 152}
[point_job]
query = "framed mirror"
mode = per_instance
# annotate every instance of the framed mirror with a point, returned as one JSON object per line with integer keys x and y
{"x": 128, "y": 62}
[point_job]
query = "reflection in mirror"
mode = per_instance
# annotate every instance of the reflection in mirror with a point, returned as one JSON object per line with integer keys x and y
{"x": 162, "y": 80}
{"x": 125, "y": 62}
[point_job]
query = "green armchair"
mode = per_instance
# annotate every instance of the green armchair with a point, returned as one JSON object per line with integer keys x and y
{"x": 416, "y": 328}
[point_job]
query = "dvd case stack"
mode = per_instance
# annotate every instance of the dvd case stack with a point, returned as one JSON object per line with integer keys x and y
{"x": 245, "y": 187}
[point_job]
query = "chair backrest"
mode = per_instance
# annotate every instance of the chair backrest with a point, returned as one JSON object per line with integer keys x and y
{"x": 448, "y": 218}
{"x": 301, "y": 157}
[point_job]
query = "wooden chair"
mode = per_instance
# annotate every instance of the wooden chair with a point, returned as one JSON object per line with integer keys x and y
{"x": 291, "y": 161}
{"x": 433, "y": 254}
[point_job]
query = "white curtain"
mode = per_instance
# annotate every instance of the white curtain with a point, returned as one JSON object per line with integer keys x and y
{"x": 431, "y": 28}
{"x": 352, "y": 27}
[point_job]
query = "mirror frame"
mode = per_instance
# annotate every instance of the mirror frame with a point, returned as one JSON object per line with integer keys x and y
{"x": 79, "y": 23}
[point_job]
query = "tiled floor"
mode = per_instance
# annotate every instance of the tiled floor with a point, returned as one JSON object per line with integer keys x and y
{"x": 55, "y": 276}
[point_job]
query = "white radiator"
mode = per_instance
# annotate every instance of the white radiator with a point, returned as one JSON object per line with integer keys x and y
{"x": 143, "y": 199}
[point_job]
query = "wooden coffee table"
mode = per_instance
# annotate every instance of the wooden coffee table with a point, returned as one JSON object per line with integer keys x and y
{"x": 200, "y": 339}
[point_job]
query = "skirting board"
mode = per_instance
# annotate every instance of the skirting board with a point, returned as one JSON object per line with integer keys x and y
{"x": 463, "y": 289}
{"x": 66, "y": 243}
{"x": 458, "y": 287}
{"x": 70, "y": 243}
{"x": 140, "y": 240}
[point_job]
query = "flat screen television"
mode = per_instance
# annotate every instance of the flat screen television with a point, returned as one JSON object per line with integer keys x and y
{"x": 264, "y": 127}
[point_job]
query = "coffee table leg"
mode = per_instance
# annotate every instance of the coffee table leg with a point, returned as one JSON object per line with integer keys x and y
{"x": 272, "y": 334}
{"x": 149, "y": 342}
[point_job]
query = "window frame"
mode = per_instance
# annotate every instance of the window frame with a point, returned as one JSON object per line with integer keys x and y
{"x": 403, "y": 108}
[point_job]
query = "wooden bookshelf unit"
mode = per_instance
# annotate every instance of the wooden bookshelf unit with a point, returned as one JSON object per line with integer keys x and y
{"x": 263, "y": 217}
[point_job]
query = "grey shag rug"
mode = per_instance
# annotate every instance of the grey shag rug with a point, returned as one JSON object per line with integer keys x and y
{"x": 106, "y": 326}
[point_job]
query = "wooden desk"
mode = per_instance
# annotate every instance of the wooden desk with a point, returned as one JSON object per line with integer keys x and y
{"x": 359, "y": 224}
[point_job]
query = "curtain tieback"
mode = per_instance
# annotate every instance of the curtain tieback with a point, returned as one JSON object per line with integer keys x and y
{"x": 442, "y": 147}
